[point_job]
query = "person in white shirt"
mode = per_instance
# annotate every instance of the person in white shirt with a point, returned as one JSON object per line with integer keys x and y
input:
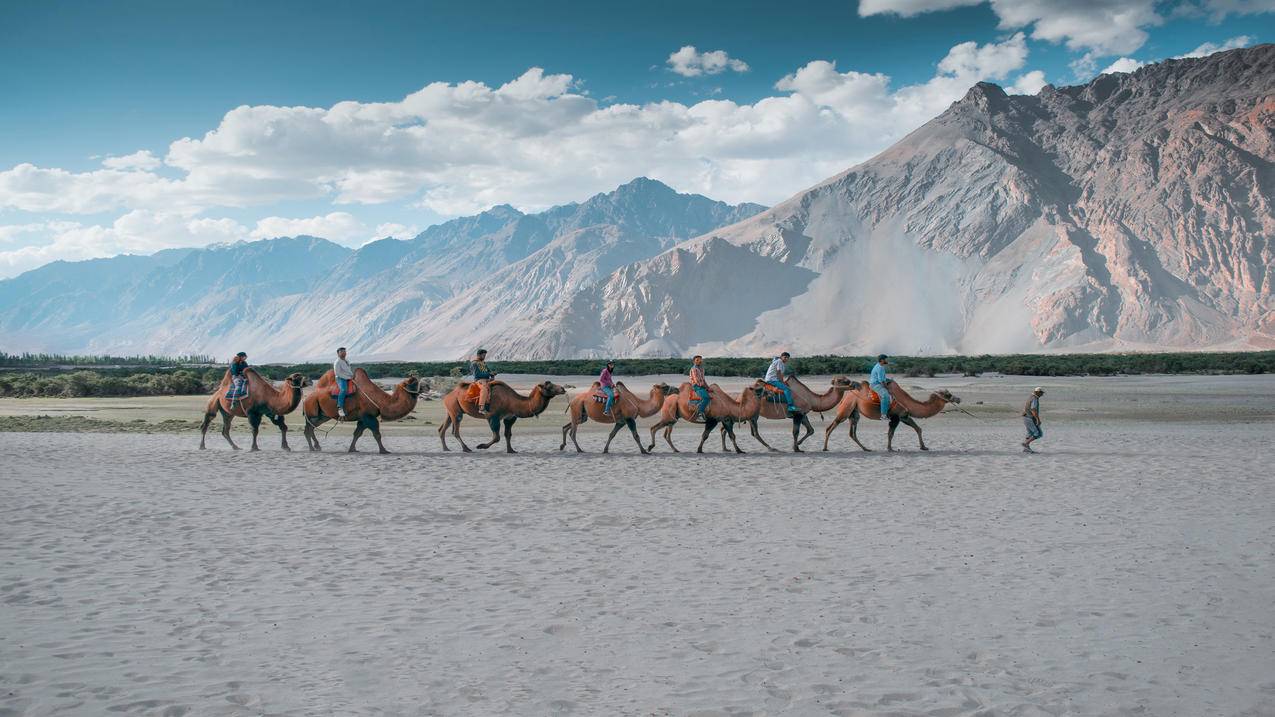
{"x": 344, "y": 374}
{"x": 775, "y": 377}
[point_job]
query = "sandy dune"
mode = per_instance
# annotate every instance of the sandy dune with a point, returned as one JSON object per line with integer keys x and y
{"x": 1126, "y": 570}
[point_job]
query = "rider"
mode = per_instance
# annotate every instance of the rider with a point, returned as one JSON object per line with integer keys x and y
{"x": 775, "y": 377}
{"x": 877, "y": 381}
{"x": 608, "y": 386}
{"x": 479, "y": 373}
{"x": 238, "y": 381}
{"x": 344, "y": 374}
{"x": 700, "y": 386}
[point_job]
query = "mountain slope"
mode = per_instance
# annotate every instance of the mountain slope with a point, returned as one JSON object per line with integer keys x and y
{"x": 1134, "y": 211}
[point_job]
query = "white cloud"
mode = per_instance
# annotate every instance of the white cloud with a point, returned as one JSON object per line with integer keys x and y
{"x": 909, "y": 8}
{"x": 532, "y": 142}
{"x": 396, "y": 231}
{"x": 689, "y": 62}
{"x": 1029, "y": 83}
{"x": 1103, "y": 27}
{"x": 136, "y": 232}
{"x": 1124, "y": 64}
{"x": 340, "y": 227}
{"x": 142, "y": 159}
{"x": 1209, "y": 48}
{"x": 1220, "y": 9}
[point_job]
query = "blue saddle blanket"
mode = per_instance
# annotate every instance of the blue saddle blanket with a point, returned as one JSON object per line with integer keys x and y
{"x": 238, "y": 389}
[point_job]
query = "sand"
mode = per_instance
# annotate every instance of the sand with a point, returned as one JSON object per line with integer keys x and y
{"x": 1126, "y": 569}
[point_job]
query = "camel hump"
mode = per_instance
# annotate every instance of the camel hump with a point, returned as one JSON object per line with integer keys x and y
{"x": 620, "y": 384}
{"x": 328, "y": 377}
{"x": 360, "y": 373}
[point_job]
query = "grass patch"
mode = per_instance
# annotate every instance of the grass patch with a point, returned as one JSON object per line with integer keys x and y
{"x": 82, "y": 424}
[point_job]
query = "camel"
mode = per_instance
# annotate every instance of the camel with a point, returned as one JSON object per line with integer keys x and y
{"x": 507, "y": 405}
{"x": 369, "y": 405}
{"x": 627, "y": 409}
{"x": 263, "y": 400}
{"x": 722, "y": 409}
{"x": 807, "y": 402}
{"x": 863, "y": 401}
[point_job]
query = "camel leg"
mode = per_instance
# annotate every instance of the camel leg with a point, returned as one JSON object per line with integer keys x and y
{"x": 358, "y": 433}
{"x": 254, "y": 421}
{"x": 226, "y": 418}
{"x": 709, "y": 425}
{"x": 828, "y": 431}
{"x": 912, "y": 422}
{"x": 283, "y": 431}
{"x": 633, "y": 429}
{"x": 564, "y": 433}
{"x": 614, "y": 430}
{"x": 805, "y": 423}
{"x": 796, "y": 429}
{"x": 722, "y": 432}
{"x": 889, "y": 434}
{"x": 668, "y": 429}
{"x": 203, "y": 430}
{"x": 374, "y": 425}
{"x": 752, "y": 428}
{"x": 442, "y": 431}
{"x": 509, "y": 432}
{"x": 730, "y": 430}
{"x": 311, "y": 438}
{"x": 494, "y": 424}
{"x": 854, "y": 431}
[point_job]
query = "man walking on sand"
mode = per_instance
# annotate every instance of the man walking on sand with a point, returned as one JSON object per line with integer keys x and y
{"x": 1031, "y": 419}
{"x": 344, "y": 374}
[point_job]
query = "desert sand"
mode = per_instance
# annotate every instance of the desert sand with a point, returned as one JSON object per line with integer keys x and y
{"x": 1126, "y": 569}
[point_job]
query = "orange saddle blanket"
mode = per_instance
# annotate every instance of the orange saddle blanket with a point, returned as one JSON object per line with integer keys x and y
{"x": 874, "y": 399}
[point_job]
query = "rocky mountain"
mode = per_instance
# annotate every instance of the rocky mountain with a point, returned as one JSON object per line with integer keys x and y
{"x": 293, "y": 297}
{"x": 1131, "y": 212}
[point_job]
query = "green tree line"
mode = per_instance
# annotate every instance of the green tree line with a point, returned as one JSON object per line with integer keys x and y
{"x": 162, "y": 379}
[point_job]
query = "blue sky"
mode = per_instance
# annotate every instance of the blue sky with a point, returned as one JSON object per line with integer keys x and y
{"x": 798, "y": 92}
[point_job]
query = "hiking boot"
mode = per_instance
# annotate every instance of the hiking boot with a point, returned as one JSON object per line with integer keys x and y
{"x": 485, "y": 410}
{"x": 340, "y": 413}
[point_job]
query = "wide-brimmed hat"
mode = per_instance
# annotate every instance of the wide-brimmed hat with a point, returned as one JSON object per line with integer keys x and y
{"x": 1039, "y": 390}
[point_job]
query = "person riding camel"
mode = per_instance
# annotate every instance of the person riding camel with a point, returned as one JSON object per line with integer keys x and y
{"x": 877, "y": 381}
{"x": 238, "y": 381}
{"x": 344, "y": 374}
{"x": 775, "y": 377}
{"x": 607, "y": 384}
{"x": 481, "y": 376}
{"x": 700, "y": 386}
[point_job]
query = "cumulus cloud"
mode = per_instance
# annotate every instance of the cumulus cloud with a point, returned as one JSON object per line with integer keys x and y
{"x": 340, "y": 227}
{"x": 136, "y": 232}
{"x": 142, "y": 159}
{"x": 1029, "y": 83}
{"x": 1218, "y": 10}
{"x": 1124, "y": 64}
{"x": 1102, "y": 27}
{"x": 1209, "y": 48}
{"x": 461, "y": 148}
{"x": 396, "y": 231}
{"x": 689, "y": 62}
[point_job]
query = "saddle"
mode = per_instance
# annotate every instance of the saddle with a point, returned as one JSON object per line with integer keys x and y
{"x": 473, "y": 390}
{"x": 773, "y": 394}
{"x": 351, "y": 389}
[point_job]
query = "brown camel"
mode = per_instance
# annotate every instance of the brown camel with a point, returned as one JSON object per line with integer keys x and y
{"x": 722, "y": 409}
{"x": 507, "y": 405}
{"x": 807, "y": 402}
{"x": 627, "y": 409}
{"x": 263, "y": 400}
{"x": 369, "y": 405}
{"x": 863, "y": 401}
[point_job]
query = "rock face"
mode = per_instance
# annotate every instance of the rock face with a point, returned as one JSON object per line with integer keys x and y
{"x": 1133, "y": 212}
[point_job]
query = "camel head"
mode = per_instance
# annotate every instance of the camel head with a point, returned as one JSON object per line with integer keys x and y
{"x": 843, "y": 382}
{"x": 411, "y": 384}
{"x": 296, "y": 380}
{"x": 665, "y": 389}
{"x": 551, "y": 389}
{"x": 947, "y": 396}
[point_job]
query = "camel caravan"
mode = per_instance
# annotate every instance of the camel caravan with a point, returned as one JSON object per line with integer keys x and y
{"x": 349, "y": 395}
